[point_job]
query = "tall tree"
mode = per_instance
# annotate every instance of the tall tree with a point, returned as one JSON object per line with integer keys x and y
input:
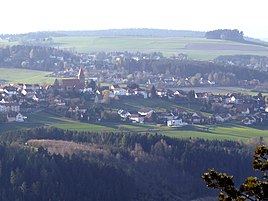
{"x": 153, "y": 92}
{"x": 254, "y": 189}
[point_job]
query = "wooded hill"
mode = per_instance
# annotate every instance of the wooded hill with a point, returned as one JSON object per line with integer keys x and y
{"x": 112, "y": 166}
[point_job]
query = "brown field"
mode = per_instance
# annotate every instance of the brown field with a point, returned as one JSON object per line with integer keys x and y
{"x": 67, "y": 148}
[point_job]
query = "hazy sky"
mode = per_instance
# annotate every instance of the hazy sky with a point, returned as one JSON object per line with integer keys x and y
{"x": 20, "y": 16}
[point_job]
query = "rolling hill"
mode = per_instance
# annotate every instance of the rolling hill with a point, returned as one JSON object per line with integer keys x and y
{"x": 196, "y": 48}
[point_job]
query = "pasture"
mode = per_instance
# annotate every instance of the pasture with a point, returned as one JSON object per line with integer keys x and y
{"x": 196, "y": 48}
{"x": 15, "y": 75}
{"x": 4, "y": 43}
{"x": 227, "y": 131}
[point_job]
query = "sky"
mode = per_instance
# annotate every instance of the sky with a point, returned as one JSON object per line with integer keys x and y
{"x": 22, "y": 16}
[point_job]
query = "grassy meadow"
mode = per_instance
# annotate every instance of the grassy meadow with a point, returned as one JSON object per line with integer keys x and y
{"x": 196, "y": 48}
{"x": 227, "y": 131}
{"x": 15, "y": 75}
{"x": 4, "y": 43}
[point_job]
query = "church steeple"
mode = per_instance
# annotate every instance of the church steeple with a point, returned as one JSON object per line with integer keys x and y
{"x": 81, "y": 75}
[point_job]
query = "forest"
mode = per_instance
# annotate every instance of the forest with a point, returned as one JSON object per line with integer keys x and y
{"x": 226, "y": 34}
{"x": 112, "y": 166}
{"x": 222, "y": 73}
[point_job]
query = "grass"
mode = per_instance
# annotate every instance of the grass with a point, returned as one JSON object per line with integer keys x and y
{"x": 4, "y": 43}
{"x": 227, "y": 131}
{"x": 158, "y": 105}
{"x": 235, "y": 132}
{"x": 167, "y": 45}
{"x": 223, "y": 90}
{"x": 14, "y": 75}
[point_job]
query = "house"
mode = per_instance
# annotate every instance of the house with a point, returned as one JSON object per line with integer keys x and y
{"x": 145, "y": 111}
{"x": 166, "y": 116}
{"x": 180, "y": 93}
{"x": 119, "y": 92}
{"x": 249, "y": 120}
{"x": 9, "y": 107}
{"x": 10, "y": 90}
{"x": 164, "y": 92}
{"x": 181, "y": 111}
{"x": 198, "y": 118}
{"x": 136, "y": 118}
{"x": 219, "y": 118}
{"x": 123, "y": 114}
{"x": 176, "y": 122}
{"x": 139, "y": 91}
{"x": 33, "y": 87}
{"x": 15, "y": 116}
{"x": 28, "y": 93}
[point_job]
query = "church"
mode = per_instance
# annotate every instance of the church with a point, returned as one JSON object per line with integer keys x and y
{"x": 71, "y": 84}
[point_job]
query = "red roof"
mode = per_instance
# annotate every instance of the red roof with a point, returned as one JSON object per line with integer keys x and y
{"x": 71, "y": 83}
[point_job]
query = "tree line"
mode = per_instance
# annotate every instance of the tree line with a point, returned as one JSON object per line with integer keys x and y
{"x": 224, "y": 74}
{"x": 36, "y": 57}
{"x": 226, "y": 34}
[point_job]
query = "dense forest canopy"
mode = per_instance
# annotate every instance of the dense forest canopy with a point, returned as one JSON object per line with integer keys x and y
{"x": 115, "y": 166}
{"x": 226, "y": 34}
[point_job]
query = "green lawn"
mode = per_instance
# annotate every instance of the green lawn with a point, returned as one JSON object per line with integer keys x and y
{"x": 4, "y": 43}
{"x": 167, "y": 45}
{"x": 228, "y": 131}
{"x": 15, "y": 75}
{"x": 158, "y": 104}
{"x": 235, "y": 132}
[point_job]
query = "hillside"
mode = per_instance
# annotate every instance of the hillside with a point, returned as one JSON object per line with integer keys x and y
{"x": 196, "y": 48}
{"x": 168, "y": 42}
{"x": 109, "y": 166}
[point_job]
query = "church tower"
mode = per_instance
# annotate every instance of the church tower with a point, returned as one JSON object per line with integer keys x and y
{"x": 81, "y": 76}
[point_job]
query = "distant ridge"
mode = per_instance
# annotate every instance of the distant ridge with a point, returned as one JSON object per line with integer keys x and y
{"x": 136, "y": 32}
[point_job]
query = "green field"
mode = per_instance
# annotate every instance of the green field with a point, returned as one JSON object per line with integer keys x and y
{"x": 158, "y": 104}
{"x": 228, "y": 131}
{"x": 200, "y": 48}
{"x": 15, "y": 75}
{"x": 4, "y": 43}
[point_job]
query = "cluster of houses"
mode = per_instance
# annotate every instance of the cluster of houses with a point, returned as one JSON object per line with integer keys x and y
{"x": 65, "y": 96}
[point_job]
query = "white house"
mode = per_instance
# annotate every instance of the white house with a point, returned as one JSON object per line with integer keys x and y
{"x": 144, "y": 111}
{"x": 123, "y": 114}
{"x": 142, "y": 92}
{"x": 20, "y": 117}
{"x": 136, "y": 118}
{"x": 176, "y": 122}
{"x": 14, "y": 116}
{"x": 119, "y": 92}
{"x": 249, "y": 120}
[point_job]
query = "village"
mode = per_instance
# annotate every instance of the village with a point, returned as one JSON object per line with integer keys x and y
{"x": 82, "y": 99}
